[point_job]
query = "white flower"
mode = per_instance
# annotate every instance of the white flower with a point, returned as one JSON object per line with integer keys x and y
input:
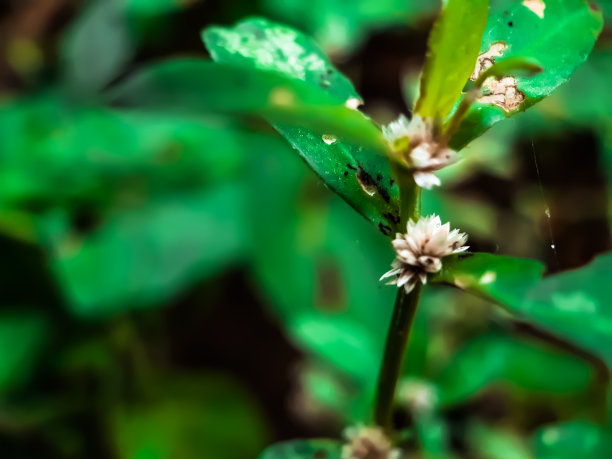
{"x": 418, "y": 395}
{"x": 419, "y": 252}
{"x": 412, "y": 142}
{"x": 368, "y": 443}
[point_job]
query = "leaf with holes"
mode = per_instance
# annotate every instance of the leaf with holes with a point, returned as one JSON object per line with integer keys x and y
{"x": 453, "y": 48}
{"x": 361, "y": 176}
{"x": 558, "y": 34}
{"x": 304, "y": 449}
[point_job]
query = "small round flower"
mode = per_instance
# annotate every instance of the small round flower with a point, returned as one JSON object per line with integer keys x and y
{"x": 419, "y": 252}
{"x": 412, "y": 143}
{"x": 368, "y": 443}
{"x": 418, "y": 395}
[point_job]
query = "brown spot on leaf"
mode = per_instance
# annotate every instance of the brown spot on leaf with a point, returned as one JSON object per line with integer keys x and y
{"x": 504, "y": 93}
{"x": 487, "y": 59}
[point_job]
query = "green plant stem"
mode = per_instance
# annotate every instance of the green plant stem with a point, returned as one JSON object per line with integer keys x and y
{"x": 410, "y": 195}
{"x": 395, "y": 347}
{"x": 403, "y": 310}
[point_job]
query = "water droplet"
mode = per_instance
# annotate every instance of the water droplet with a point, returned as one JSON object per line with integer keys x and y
{"x": 329, "y": 139}
{"x": 547, "y": 212}
{"x": 552, "y": 246}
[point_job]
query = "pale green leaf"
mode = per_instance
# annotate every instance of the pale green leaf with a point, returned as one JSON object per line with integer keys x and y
{"x": 453, "y": 48}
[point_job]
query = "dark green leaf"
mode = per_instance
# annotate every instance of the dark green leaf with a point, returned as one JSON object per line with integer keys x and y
{"x": 195, "y": 86}
{"x": 560, "y": 41}
{"x": 21, "y": 338}
{"x": 304, "y": 449}
{"x": 453, "y": 48}
{"x": 342, "y": 26}
{"x": 498, "y": 358}
{"x": 195, "y": 418}
{"x": 362, "y": 177}
{"x": 144, "y": 255}
{"x": 116, "y": 154}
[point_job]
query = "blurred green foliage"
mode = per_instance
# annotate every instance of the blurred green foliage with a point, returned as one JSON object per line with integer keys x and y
{"x": 123, "y": 197}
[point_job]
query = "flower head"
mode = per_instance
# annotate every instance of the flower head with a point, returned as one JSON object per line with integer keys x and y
{"x": 368, "y": 443}
{"x": 412, "y": 142}
{"x": 418, "y": 395}
{"x": 419, "y": 252}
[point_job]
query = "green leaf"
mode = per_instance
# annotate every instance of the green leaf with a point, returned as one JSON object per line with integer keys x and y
{"x": 572, "y": 440}
{"x": 115, "y": 153}
{"x": 497, "y": 443}
{"x": 304, "y": 449}
{"x": 361, "y": 176}
{"x": 101, "y": 32}
{"x": 142, "y": 256}
{"x": 198, "y": 417}
{"x": 195, "y": 86}
{"x": 575, "y": 305}
{"x": 433, "y": 436}
{"x": 266, "y": 45}
{"x": 342, "y": 26}
{"x": 341, "y": 342}
{"x": 560, "y": 41}
{"x": 318, "y": 269}
{"x": 508, "y": 66}
{"x": 22, "y": 336}
{"x": 453, "y": 48}
{"x": 503, "y": 279}
{"x": 515, "y": 363}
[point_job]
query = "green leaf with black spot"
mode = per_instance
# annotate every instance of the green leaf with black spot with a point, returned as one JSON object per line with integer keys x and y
{"x": 304, "y": 449}
{"x": 453, "y": 48}
{"x": 360, "y": 175}
{"x": 558, "y": 34}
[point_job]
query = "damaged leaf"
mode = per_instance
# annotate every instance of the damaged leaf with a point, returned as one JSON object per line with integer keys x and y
{"x": 559, "y": 37}
{"x": 360, "y": 175}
